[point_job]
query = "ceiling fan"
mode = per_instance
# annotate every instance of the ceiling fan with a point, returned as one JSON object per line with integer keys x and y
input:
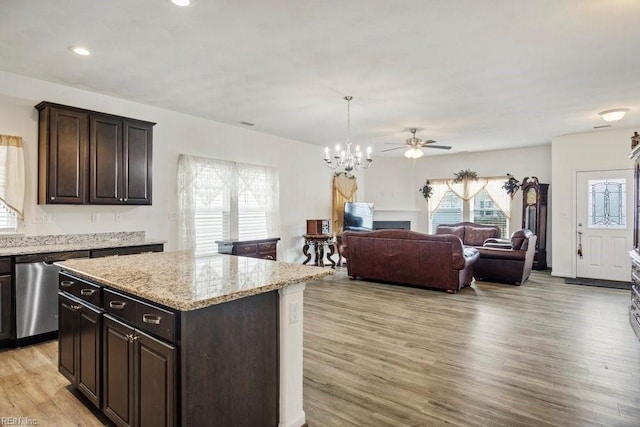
{"x": 414, "y": 145}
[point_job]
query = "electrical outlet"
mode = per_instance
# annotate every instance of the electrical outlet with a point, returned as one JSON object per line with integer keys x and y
{"x": 95, "y": 217}
{"x": 117, "y": 217}
{"x": 43, "y": 218}
{"x": 294, "y": 312}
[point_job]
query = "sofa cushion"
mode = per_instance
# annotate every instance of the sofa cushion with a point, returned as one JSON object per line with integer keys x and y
{"x": 475, "y": 236}
{"x": 456, "y": 230}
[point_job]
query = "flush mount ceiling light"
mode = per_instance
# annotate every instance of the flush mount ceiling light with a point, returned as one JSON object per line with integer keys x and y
{"x": 181, "y": 2}
{"x": 613, "y": 115}
{"x": 79, "y": 50}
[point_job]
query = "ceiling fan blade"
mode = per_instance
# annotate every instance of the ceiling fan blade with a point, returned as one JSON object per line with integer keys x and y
{"x": 429, "y": 141}
{"x": 441, "y": 147}
{"x": 391, "y": 149}
{"x": 395, "y": 143}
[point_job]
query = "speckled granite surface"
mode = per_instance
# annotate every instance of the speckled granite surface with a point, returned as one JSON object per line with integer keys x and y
{"x": 24, "y": 245}
{"x": 185, "y": 282}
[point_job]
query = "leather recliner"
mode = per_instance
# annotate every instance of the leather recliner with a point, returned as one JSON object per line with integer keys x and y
{"x": 506, "y": 261}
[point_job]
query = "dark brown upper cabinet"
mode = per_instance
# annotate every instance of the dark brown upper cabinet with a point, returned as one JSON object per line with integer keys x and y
{"x": 92, "y": 157}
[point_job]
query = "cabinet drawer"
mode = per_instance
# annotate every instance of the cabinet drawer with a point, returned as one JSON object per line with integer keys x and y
{"x": 81, "y": 289}
{"x": 635, "y": 295}
{"x": 141, "y": 315}
{"x": 5, "y": 265}
{"x": 267, "y": 255}
{"x": 267, "y": 247}
{"x": 247, "y": 249}
{"x": 129, "y": 250}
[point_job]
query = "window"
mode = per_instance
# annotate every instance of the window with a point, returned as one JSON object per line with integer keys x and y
{"x": 11, "y": 182}
{"x": 8, "y": 220}
{"x": 607, "y": 203}
{"x": 222, "y": 200}
{"x": 446, "y": 206}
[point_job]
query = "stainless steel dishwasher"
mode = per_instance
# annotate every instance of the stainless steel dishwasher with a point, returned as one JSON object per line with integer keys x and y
{"x": 37, "y": 292}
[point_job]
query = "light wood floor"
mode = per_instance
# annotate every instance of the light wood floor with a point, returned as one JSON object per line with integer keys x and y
{"x": 541, "y": 354}
{"x": 544, "y": 353}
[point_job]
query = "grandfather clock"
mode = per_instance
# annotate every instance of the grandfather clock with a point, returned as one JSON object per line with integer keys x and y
{"x": 534, "y": 217}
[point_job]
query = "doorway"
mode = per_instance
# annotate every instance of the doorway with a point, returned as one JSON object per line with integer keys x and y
{"x": 604, "y": 224}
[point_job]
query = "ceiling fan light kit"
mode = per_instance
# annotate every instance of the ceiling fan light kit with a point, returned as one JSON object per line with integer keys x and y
{"x": 614, "y": 114}
{"x": 414, "y": 146}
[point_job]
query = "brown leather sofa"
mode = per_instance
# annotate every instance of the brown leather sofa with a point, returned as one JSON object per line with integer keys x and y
{"x": 409, "y": 257}
{"x": 506, "y": 261}
{"x": 471, "y": 233}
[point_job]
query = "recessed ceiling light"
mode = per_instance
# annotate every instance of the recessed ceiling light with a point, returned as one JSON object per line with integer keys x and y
{"x": 181, "y": 2}
{"x": 613, "y": 115}
{"x": 80, "y": 50}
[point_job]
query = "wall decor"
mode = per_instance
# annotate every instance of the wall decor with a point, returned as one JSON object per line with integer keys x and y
{"x": 426, "y": 190}
{"x": 511, "y": 185}
{"x": 465, "y": 174}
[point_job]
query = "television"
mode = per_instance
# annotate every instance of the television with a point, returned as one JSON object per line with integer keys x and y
{"x": 358, "y": 216}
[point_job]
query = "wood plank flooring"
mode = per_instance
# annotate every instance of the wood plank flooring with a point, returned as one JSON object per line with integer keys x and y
{"x": 543, "y": 354}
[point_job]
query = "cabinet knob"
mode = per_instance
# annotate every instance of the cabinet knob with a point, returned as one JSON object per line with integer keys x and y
{"x": 87, "y": 292}
{"x": 126, "y": 199}
{"x": 76, "y": 307}
{"x": 53, "y": 198}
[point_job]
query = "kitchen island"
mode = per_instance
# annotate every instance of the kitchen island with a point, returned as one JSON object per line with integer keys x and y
{"x": 175, "y": 339}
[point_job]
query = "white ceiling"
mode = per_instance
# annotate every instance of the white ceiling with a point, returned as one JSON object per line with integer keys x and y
{"x": 473, "y": 74}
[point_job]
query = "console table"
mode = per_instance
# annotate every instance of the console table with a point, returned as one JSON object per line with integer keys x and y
{"x": 318, "y": 241}
{"x": 260, "y": 248}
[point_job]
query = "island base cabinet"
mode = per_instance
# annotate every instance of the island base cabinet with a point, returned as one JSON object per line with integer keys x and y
{"x": 139, "y": 377}
{"x": 80, "y": 346}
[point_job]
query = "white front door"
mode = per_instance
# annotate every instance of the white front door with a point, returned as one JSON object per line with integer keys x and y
{"x": 604, "y": 219}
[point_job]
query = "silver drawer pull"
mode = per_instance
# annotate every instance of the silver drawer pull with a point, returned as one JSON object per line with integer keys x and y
{"x": 87, "y": 292}
{"x": 66, "y": 283}
{"x": 118, "y": 305}
{"x": 151, "y": 318}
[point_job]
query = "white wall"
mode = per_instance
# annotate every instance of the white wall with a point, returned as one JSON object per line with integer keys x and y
{"x": 604, "y": 149}
{"x": 395, "y": 183}
{"x": 305, "y": 183}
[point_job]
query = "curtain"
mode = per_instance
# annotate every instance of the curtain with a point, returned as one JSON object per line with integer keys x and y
{"x": 440, "y": 188}
{"x": 467, "y": 188}
{"x": 258, "y": 204}
{"x": 12, "y": 174}
{"x": 344, "y": 190}
{"x": 499, "y": 195}
{"x": 202, "y": 183}
{"x": 221, "y": 200}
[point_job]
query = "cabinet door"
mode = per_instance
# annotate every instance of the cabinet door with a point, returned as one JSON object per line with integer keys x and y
{"x": 67, "y": 343}
{"x": 118, "y": 371}
{"x": 67, "y": 140}
{"x": 106, "y": 160}
{"x": 136, "y": 172}
{"x": 89, "y": 356}
{"x": 6, "y": 308}
{"x": 155, "y": 383}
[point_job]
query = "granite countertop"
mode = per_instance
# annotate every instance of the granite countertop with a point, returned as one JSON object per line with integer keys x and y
{"x": 75, "y": 246}
{"x": 185, "y": 282}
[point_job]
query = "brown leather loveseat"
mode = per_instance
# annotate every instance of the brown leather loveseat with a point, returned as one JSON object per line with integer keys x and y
{"x": 471, "y": 233}
{"x": 507, "y": 261}
{"x": 409, "y": 257}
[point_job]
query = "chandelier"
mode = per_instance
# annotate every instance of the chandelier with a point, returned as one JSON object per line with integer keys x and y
{"x": 346, "y": 160}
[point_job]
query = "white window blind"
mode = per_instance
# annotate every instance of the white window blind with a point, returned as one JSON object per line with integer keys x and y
{"x": 222, "y": 200}
{"x": 8, "y": 218}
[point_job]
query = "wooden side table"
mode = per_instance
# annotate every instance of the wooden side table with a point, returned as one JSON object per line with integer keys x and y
{"x": 318, "y": 241}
